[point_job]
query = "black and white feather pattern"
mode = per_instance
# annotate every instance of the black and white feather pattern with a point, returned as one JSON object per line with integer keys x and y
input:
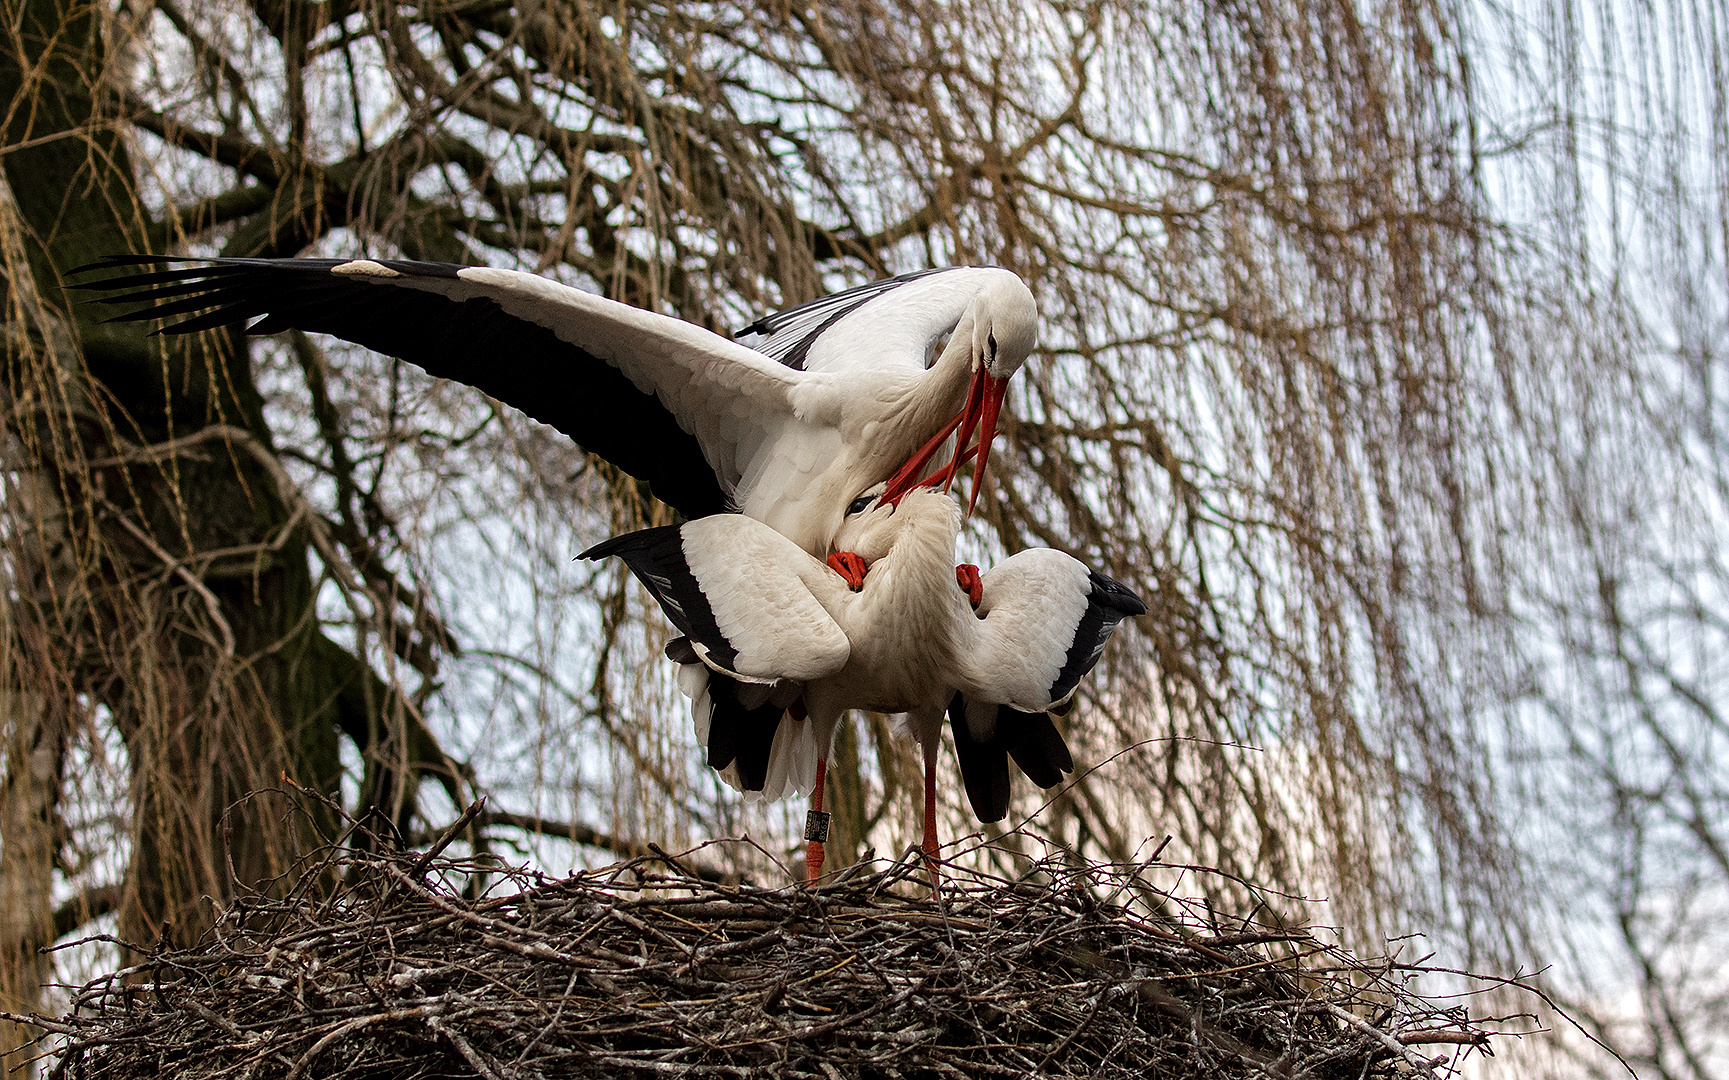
{"x": 753, "y": 605}
{"x": 788, "y": 335}
{"x": 1109, "y": 602}
{"x": 651, "y": 394}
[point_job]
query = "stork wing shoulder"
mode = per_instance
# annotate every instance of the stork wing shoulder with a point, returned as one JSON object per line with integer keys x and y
{"x": 650, "y": 393}
{"x": 1047, "y": 618}
{"x": 892, "y": 321}
{"x": 754, "y": 605}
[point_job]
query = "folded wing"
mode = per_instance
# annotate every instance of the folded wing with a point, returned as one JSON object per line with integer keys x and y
{"x": 754, "y": 605}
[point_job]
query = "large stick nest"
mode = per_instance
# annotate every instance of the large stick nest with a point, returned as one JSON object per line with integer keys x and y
{"x": 644, "y": 969}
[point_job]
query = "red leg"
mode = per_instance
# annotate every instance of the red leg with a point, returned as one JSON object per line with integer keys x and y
{"x": 813, "y": 855}
{"x": 930, "y": 838}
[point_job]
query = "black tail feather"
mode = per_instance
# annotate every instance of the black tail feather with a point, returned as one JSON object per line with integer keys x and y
{"x": 984, "y": 765}
{"x": 1030, "y": 738}
{"x": 740, "y": 735}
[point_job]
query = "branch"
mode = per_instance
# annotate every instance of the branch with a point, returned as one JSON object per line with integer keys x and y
{"x": 589, "y": 837}
{"x": 255, "y": 161}
{"x": 85, "y": 908}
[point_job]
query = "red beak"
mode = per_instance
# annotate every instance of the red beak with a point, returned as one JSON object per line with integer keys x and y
{"x": 969, "y": 419}
{"x": 995, "y": 391}
{"x": 902, "y": 481}
{"x": 984, "y": 402}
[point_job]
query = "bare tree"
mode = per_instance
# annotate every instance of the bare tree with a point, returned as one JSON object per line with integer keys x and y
{"x": 1337, "y": 371}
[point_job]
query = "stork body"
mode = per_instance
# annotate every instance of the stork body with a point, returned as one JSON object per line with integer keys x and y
{"x": 770, "y": 625}
{"x": 788, "y": 424}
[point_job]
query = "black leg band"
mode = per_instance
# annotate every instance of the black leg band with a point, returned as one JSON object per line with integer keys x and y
{"x": 816, "y": 825}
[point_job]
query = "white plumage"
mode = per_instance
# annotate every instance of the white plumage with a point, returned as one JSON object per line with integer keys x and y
{"x": 788, "y": 424}
{"x": 757, "y": 609}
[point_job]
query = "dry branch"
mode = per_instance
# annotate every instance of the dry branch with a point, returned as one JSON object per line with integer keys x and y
{"x": 632, "y": 971}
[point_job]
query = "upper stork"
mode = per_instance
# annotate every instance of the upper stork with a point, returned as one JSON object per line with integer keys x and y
{"x": 788, "y": 423}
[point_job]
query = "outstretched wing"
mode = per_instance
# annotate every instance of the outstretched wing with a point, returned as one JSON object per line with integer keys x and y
{"x": 752, "y": 603}
{"x": 666, "y": 401}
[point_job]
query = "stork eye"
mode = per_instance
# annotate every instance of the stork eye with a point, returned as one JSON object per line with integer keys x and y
{"x": 860, "y": 505}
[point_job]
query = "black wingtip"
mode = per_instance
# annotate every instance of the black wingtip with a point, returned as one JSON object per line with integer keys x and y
{"x": 110, "y": 262}
{"x": 607, "y": 547}
{"x": 1036, "y": 745}
{"x": 1110, "y": 593}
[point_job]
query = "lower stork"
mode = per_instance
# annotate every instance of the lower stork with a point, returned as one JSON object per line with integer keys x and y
{"x": 890, "y": 626}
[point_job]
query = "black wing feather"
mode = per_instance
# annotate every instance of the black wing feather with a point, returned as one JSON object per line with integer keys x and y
{"x": 1109, "y": 602}
{"x": 1029, "y": 738}
{"x": 740, "y": 735}
{"x": 984, "y": 765}
{"x": 1036, "y": 745}
{"x": 471, "y": 341}
{"x": 787, "y": 335}
{"x": 656, "y": 557}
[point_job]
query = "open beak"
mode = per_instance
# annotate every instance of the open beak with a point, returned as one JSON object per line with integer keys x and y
{"x": 984, "y": 403}
{"x": 902, "y": 481}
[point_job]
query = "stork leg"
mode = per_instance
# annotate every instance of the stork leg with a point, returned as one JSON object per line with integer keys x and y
{"x": 816, "y": 825}
{"x": 930, "y": 837}
{"x": 928, "y": 727}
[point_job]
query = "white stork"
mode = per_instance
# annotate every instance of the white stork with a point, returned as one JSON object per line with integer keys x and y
{"x": 787, "y": 424}
{"x": 894, "y": 631}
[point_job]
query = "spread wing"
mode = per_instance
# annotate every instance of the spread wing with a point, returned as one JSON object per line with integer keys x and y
{"x": 893, "y": 321}
{"x": 670, "y": 403}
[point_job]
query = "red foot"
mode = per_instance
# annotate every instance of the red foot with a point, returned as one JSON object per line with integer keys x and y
{"x": 971, "y": 583}
{"x": 849, "y": 565}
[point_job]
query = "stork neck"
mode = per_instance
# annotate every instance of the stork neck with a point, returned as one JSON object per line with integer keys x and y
{"x": 943, "y": 390}
{"x": 918, "y": 569}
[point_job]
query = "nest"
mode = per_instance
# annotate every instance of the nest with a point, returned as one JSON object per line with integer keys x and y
{"x": 645, "y": 969}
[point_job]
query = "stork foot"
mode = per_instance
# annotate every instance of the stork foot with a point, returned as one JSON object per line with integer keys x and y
{"x": 971, "y": 583}
{"x": 849, "y": 565}
{"x": 813, "y": 859}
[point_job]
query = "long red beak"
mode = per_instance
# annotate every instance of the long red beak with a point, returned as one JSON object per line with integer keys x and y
{"x": 984, "y": 403}
{"x": 969, "y": 419}
{"x": 995, "y": 391}
{"x": 902, "y": 481}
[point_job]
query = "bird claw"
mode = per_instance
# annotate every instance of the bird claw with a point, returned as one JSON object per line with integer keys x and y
{"x": 971, "y": 583}
{"x": 849, "y": 565}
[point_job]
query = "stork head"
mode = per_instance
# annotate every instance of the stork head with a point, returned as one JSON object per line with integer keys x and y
{"x": 1002, "y": 325}
{"x": 1005, "y": 326}
{"x": 874, "y": 524}
{"x": 869, "y": 526}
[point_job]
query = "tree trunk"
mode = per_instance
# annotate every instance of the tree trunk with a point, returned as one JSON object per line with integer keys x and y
{"x": 29, "y": 800}
{"x": 212, "y": 664}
